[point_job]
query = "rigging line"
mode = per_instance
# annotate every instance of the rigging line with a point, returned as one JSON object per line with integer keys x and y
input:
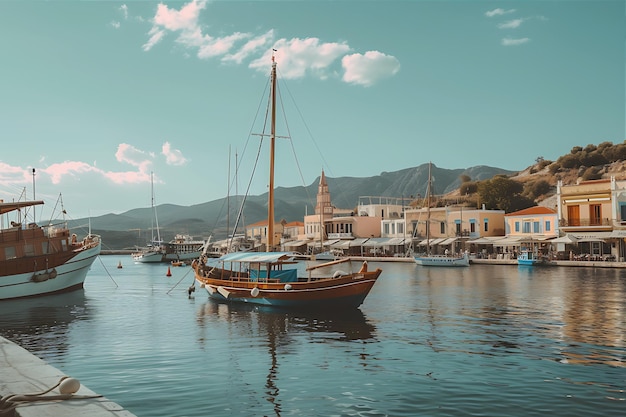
{"x": 180, "y": 280}
{"x": 256, "y": 162}
{"x": 325, "y": 163}
{"x": 243, "y": 201}
{"x": 293, "y": 148}
{"x": 108, "y": 273}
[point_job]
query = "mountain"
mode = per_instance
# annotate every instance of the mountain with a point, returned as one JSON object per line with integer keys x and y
{"x": 132, "y": 228}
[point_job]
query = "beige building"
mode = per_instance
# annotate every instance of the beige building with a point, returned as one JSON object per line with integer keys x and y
{"x": 451, "y": 227}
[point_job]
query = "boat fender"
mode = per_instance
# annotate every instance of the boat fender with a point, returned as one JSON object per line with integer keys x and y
{"x": 363, "y": 267}
{"x": 287, "y": 287}
{"x": 53, "y": 273}
{"x": 339, "y": 273}
{"x": 254, "y": 292}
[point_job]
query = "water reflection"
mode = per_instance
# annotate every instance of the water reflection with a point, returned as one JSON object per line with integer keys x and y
{"x": 41, "y": 324}
{"x": 279, "y": 332}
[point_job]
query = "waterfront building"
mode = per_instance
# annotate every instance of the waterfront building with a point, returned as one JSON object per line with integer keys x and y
{"x": 453, "y": 227}
{"x": 594, "y": 213}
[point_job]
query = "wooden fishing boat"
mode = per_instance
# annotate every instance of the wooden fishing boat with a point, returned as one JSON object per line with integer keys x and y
{"x": 272, "y": 278}
{"x": 37, "y": 260}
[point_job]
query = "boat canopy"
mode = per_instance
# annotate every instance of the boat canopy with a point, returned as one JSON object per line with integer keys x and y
{"x": 271, "y": 257}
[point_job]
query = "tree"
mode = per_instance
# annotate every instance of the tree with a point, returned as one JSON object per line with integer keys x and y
{"x": 503, "y": 193}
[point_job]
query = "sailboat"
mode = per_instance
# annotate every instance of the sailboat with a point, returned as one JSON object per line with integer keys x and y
{"x": 272, "y": 278}
{"x": 429, "y": 259}
{"x": 154, "y": 251}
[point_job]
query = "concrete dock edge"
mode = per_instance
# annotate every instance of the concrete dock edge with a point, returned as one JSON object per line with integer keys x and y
{"x": 24, "y": 373}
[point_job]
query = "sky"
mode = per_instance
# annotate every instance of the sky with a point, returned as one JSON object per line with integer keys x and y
{"x": 101, "y": 96}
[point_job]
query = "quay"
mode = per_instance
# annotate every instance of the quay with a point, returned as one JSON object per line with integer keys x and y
{"x": 25, "y": 374}
{"x": 592, "y": 264}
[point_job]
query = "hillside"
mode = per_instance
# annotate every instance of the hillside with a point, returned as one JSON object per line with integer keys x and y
{"x": 216, "y": 218}
{"x": 133, "y": 228}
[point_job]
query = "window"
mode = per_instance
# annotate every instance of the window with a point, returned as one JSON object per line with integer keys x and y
{"x": 458, "y": 229}
{"x": 517, "y": 226}
{"x": 622, "y": 211}
{"x": 472, "y": 227}
{"x": 442, "y": 228}
{"x": 526, "y": 227}
{"x": 595, "y": 214}
{"x": 29, "y": 249}
{"x": 400, "y": 227}
{"x": 535, "y": 227}
{"x": 9, "y": 252}
{"x": 548, "y": 225}
{"x": 386, "y": 228}
{"x": 486, "y": 223}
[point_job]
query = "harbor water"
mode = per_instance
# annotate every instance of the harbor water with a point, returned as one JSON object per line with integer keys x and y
{"x": 488, "y": 340}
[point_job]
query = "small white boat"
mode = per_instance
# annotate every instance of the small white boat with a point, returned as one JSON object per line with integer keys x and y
{"x": 442, "y": 260}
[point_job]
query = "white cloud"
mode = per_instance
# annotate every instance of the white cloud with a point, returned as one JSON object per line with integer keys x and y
{"x": 498, "y": 12}
{"x": 10, "y": 175}
{"x": 173, "y": 156}
{"x": 124, "y": 9}
{"x": 115, "y": 25}
{"x": 252, "y": 46}
{"x": 297, "y": 57}
{"x": 511, "y": 24}
{"x": 369, "y": 68}
{"x": 514, "y": 42}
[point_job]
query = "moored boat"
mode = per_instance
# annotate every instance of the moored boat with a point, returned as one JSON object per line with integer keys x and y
{"x": 531, "y": 258}
{"x": 442, "y": 260}
{"x": 37, "y": 260}
{"x": 272, "y": 278}
{"x": 183, "y": 248}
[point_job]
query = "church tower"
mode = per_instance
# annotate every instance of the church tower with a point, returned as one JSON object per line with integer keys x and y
{"x": 323, "y": 206}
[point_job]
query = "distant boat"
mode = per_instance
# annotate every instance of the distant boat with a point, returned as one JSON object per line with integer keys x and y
{"x": 153, "y": 252}
{"x": 532, "y": 258}
{"x": 183, "y": 248}
{"x": 37, "y": 260}
{"x": 442, "y": 260}
{"x": 119, "y": 265}
{"x": 271, "y": 278}
{"x": 429, "y": 259}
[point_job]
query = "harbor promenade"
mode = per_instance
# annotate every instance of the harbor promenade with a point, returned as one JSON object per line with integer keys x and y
{"x": 24, "y": 374}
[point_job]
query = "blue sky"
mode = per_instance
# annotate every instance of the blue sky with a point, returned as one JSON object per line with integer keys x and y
{"x": 96, "y": 95}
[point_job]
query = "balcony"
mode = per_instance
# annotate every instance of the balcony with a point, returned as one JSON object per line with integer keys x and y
{"x": 586, "y": 223}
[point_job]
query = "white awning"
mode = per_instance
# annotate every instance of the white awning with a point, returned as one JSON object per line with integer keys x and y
{"x": 567, "y": 239}
{"x": 448, "y": 241}
{"x": 509, "y": 241}
{"x": 295, "y": 243}
{"x": 438, "y": 240}
{"x": 487, "y": 240}
{"x": 376, "y": 241}
{"x": 592, "y": 236}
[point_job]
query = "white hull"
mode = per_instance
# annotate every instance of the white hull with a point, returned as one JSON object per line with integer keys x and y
{"x": 183, "y": 256}
{"x": 148, "y": 257}
{"x": 70, "y": 275}
{"x": 442, "y": 260}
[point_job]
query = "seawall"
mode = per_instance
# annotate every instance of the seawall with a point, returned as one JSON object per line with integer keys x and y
{"x": 24, "y": 373}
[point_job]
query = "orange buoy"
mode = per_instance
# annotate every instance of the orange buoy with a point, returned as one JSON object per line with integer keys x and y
{"x": 169, "y": 273}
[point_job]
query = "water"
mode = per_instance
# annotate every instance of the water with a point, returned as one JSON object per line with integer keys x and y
{"x": 481, "y": 341}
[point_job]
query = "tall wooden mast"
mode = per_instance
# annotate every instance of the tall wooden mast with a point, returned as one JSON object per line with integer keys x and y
{"x": 270, "y": 203}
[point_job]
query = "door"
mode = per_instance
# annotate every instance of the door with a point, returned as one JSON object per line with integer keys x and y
{"x": 573, "y": 215}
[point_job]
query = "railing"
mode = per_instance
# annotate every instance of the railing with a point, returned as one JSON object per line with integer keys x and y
{"x": 585, "y": 222}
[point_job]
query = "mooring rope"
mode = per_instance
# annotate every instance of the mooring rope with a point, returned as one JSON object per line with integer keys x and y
{"x": 108, "y": 273}
{"x": 67, "y": 387}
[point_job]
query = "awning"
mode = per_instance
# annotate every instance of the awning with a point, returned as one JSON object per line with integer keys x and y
{"x": 326, "y": 242}
{"x": 376, "y": 241}
{"x": 448, "y": 241}
{"x": 342, "y": 244}
{"x": 567, "y": 239}
{"x": 295, "y": 243}
{"x": 358, "y": 242}
{"x": 592, "y": 236}
{"x": 438, "y": 240}
{"x": 509, "y": 241}
{"x": 487, "y": 240}
{"x": 396, "y": 241}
